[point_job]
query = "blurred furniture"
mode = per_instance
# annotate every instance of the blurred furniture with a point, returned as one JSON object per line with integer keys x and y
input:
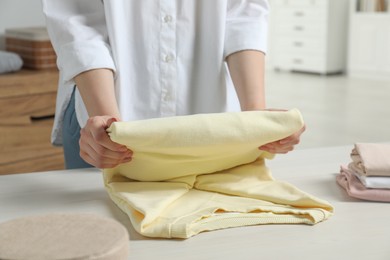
{"x": 27, "y": 102}
{"x": 369, "y": 42}
{"x": 309, "y": 35}
{"x": 358, "y": 230}
{"x": 64, "y": 236}
{"x": 33, "y": 45}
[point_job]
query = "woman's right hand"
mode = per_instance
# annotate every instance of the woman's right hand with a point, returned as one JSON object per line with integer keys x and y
{"x": 96, "y": 147}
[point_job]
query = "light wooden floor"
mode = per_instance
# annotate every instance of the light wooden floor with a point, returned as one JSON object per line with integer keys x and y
{"x": 338, "y": 110}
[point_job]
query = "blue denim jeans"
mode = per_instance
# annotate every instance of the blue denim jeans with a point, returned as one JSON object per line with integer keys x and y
{"x": 70, "y": 138}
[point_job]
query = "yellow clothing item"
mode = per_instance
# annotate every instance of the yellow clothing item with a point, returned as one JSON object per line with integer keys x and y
{"x": 205, "y": 172}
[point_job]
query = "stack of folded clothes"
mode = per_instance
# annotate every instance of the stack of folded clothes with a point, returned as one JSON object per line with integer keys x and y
{"x": 368, "y": 175}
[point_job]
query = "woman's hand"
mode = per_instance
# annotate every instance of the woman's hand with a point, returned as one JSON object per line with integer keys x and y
{"x": 284, "y": 145}
{"x": 96, "y": 147}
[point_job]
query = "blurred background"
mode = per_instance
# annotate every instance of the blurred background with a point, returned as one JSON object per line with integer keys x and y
{"x": 331, "y": 59}
{"x": 19, "y": 13}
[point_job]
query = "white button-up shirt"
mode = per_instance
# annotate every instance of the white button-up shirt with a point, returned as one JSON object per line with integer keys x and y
{"x": 168, "y": 55}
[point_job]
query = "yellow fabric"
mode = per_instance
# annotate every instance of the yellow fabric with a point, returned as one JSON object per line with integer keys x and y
{"x": 205, "y": 172}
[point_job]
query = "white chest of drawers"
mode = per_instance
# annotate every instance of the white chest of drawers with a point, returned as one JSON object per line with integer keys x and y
{"x": 309, "y": 35}
{"x": 369, "y": 43}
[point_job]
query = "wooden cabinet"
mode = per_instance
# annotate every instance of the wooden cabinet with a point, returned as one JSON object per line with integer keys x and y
{"x": 369, "y": 44}
{"x": 309, "y": 35}
{"x": 27, "y": 106}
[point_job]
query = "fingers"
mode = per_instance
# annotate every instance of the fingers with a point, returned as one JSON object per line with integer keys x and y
{"x": 96, "y": 147}
{"x": 276, "y": 147}
{"x": 284, "y": 145}
{"x": 100, "y": 160}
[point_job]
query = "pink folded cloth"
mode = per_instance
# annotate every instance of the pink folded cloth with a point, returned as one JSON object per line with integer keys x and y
{"x": 355, "y": 188}
{"x": 371, "y": 159}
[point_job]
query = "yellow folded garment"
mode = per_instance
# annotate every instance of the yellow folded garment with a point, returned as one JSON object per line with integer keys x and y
{"x": 205, "y": 172}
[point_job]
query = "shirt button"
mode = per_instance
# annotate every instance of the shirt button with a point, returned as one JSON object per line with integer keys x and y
{"x": 167, "y": 18}
{"x": 168, "y": 58}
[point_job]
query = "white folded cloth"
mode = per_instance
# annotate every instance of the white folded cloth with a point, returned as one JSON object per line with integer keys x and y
{"x": 10, "y": 62}
{"x": 372, "y": 182}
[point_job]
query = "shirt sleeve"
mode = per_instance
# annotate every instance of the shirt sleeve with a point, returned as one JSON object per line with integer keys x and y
{"x": 79, "y": 36}
{"x": 246, "y": 26}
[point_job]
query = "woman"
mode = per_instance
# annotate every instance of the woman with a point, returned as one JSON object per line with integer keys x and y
{"x": 133, "y": 59}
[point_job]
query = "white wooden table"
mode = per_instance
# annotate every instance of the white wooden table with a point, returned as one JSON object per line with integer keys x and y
{"x": 358, "y": 230}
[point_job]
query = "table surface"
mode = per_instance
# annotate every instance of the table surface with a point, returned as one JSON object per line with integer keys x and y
{"x": 358, "y": 230}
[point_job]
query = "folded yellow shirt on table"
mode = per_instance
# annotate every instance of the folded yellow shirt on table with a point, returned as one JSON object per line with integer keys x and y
{"x": 204, "y": 172}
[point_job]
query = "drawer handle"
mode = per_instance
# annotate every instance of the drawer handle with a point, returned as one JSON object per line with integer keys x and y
{"x": 299, "y": 28}
{"x": 41, "y": 118}
{"x": 298, "y": 44}
{"x": 297, "y": 61}
{"x": 299, "y": 13}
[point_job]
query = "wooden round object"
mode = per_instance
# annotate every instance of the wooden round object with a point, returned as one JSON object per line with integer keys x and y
{"x": 63, "y": 236}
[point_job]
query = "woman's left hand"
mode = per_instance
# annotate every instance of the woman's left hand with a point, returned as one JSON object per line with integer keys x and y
{"x": 284, "y": 145}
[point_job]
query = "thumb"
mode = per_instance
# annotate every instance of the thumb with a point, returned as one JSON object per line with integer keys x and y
{"x": 110, "y": 121}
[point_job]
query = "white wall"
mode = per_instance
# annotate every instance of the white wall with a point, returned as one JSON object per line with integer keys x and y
{"x": 19, "y": 13}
